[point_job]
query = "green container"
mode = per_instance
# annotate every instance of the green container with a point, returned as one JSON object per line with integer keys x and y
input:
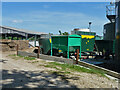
{"x": 88, "y": 40}
{"x": 87, "y": 43}
{"x": 66, "y": 43}
{"x": 45, "y": 45}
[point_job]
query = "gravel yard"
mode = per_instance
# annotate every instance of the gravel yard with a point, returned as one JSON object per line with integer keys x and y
{"x": 20, "y": 73}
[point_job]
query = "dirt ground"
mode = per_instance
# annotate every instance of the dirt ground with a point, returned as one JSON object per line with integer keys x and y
{"x": 22, "y": 73}
{"x": 11, "y": 45}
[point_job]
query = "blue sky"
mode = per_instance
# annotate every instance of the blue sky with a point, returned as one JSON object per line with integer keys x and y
{"x": 54, "y": 16}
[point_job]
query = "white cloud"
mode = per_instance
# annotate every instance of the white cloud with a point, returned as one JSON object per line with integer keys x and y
{"x": 17, "y": 21}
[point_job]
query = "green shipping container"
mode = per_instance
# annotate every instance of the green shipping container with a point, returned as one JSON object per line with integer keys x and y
{"x": 87, "y": 43}
{"x": 88, "y": 40}
{"x": 66, "y": 43}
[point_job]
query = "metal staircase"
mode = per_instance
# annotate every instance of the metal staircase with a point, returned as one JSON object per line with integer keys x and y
{"x": 110, "y": 12}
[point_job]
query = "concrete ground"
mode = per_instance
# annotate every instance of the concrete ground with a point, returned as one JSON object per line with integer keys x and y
{"x": 27, "y": 74}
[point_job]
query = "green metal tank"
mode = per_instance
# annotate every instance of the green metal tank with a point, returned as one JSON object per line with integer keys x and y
{"x": 109, "y": 31}
{"x": 44, "y": 43}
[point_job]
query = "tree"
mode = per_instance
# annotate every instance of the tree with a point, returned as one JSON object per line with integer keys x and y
{"x": 65, "y": 33}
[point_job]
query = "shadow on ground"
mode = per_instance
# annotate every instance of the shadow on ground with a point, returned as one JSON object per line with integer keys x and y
{"x": 33, "y": 79}
{"x": 3, "y": 61}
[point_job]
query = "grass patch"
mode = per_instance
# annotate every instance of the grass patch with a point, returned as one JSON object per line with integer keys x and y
{"x": 12, "y": 55}
{"x": 35, "y": 62}
{"x": 16, "y": 57}
{"x": 52, "y": 66}
{"x": 20, "y": 56}
{"x": 67, "y": 67}
{"x": 29, "y": 58}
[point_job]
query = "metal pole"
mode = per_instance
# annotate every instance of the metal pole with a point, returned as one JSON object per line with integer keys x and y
{"x": 90, "y": 26}
{"x": 35, "y": 41}
{"x": 77, "y": 56}
{"x": 68, "y": 48}
{"x": 68, "y": 53}
{"x": 26, "y": 36}
{"x": 51, "y": 46}
{"x": 80, "y": 52}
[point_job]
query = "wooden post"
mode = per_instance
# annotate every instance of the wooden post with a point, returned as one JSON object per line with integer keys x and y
{"x": 17, "y": 49}
{"x": 38, "y": 52}
{"x": 77, "y": 56}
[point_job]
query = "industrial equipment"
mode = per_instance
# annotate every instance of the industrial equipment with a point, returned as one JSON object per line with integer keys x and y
{"x": 88, "y": 39}
{"x": 66, "y": 44}
{"x": 108, "y": 42}
{"x": 105, "y": 45}
{"x": 61, "y": 44}
{"x": 109, "y": 28}
{"x": 109, "y": 31}
{"x": 117, "y": 53}
{"x": 44, "y": 43}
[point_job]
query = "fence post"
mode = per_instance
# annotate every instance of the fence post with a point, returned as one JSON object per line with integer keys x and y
{"x": 17, "y": 49}
{"x": 77, "y": 56}
{"x": 38, "y": 52}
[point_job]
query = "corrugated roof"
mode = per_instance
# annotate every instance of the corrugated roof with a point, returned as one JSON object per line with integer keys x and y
{"x": 23, "y": 30}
